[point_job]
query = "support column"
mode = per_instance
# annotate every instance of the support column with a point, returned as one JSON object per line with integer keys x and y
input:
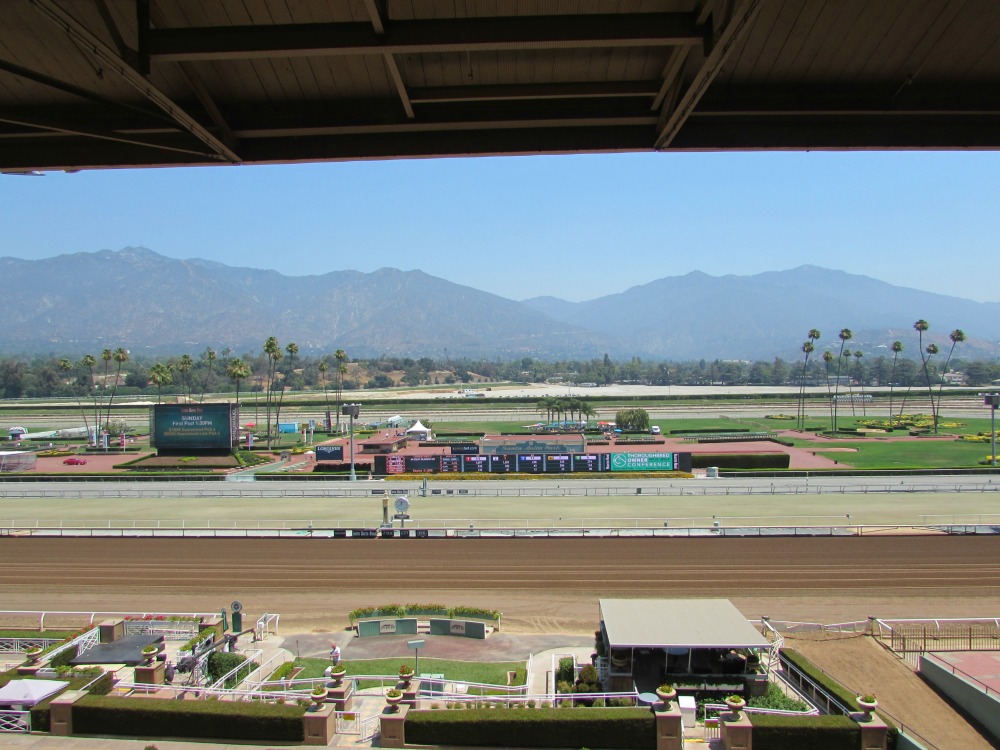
{"x": 736, "y": 731}
{"x": 320, "y": 726}
{"x": 393, "y": 726}
{"x": 874, "y": 731}
{"x": 669, "y": 728}
{"x": 61, "y": 712}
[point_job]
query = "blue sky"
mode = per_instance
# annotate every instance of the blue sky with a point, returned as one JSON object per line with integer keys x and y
{"x": 575, "y": 227}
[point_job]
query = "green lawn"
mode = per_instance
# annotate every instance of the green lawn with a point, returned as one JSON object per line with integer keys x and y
{"x": 49, "y": 634}
{"x": 490, "y": 673}
{"x": 918, "y": 454}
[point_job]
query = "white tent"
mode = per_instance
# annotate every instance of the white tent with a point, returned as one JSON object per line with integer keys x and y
{"x": 419, "y": 432}
{"x": 29, "y": 692}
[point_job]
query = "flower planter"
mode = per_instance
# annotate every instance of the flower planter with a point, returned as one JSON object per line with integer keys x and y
{"x": 338, "y": 675}
{"x": 666, "y": 696}
{"x": 319, "y": 698}
{"x": 867, "y": 706}
{"x": 393, "y": 701}
{"x": 735, "y": 706}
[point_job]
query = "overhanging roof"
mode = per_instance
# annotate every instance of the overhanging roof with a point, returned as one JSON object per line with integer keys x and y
{"x": 104, "y": 83}
{"x": 688, "y": 623}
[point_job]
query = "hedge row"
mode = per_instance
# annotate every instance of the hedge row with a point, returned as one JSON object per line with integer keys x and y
{"x": 212, "y": 719}
{"x": 404, "y": 610}
{"x": 581, "y": 727}
{"x": 815, "y": 732}
{"x": 740, "y": 460}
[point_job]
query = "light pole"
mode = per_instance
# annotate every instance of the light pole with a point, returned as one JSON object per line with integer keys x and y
{"x": 993, "y": 400}
{"x": 351, "y": 410}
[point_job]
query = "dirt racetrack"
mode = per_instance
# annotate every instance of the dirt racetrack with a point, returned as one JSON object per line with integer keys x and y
{"x": 540, "y": 584}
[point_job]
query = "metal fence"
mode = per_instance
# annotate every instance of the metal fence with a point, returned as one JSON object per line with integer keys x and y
{"x": 909, "y": 638}
{"x": 18, "y": 722}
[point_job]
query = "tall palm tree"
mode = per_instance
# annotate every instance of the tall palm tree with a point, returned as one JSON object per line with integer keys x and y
{"x": 827, "y": 359}
{"x": 121, "y": 356}
{"x": 160, "y": 375}
{"x": 957, "y": 336}
{"x": 292, "y": 350}
{"x": 66, "y": 367}
{"x": 807, "y": 348}
{"x": 237, "y": 370}
{"x": 847, "y": 354}
{"x": 931, "y": 350}
{"x": 897, "y": 347}
{"x": 858, "y": 354}
{"x": 273, "y": 351}
{"x": 106, "y": 356}
{"x": 845, "y": 335}
{"x": 341, "y": 356}
{"x": 323, "y": 367}
{"x": 209, "y": 356}
{"x": 89, "y": 361}
{"x": 184, "y": 365}
{"x": 920, "y": 327}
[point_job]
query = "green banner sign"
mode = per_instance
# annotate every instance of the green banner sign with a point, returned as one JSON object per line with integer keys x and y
{"x": 642, "y": 461}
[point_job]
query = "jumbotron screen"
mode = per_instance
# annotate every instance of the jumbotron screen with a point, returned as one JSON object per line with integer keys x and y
{"x": 194, "y": 427}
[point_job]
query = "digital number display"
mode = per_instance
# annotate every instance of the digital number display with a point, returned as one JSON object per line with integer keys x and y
{"x": 590, "y": 462}
{"x": 476, "y": 463}
{"x": 395, "y": 464}
{"x": 558, "y": 463}
{"x": 451, "y": 464}
{"x": 503, "y": 464}
{"x": 531, "y": 463}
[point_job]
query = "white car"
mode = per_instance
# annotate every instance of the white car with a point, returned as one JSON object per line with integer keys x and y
{"x": 655, "y": 429}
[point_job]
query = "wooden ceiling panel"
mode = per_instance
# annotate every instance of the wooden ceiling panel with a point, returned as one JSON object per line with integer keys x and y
{"x": 288, "y": 80}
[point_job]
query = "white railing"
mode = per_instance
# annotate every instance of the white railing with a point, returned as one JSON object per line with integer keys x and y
{"x": 777, "y": 643}
{"x": 15, "y": 721}
{"x": 83, "y": 642}
{"x": 20, "y": 645}
{"x": 254, "y": 679}
{"x": 10, "y": 615}
{"x": 252, "y": 660}
{"x": 721, "y": 707}
{"x": 171, "y": 630}
{"x": 264, "y": 626}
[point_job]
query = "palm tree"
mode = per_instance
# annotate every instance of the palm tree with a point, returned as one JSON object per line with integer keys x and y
{"x": 322, "y": 367}
{"x": 120, "y": 356}
{"x": 847, "y": 354}
{"x": 273, "y": 351}
{"x": 808, "y": 348}
{"x": 106, "y": 355}
{"x": 66, "y": 367}
{"x": 160, "y": 375}
{"x": 920, "y": 326}
{"x": 957, "y": 336}
{"x": 292, "y": 350}
{"x": 845, "y": 335}
{"x": 931, "y": 350}
{"x": 858, "y": 354}
{"x": 89, "y": 361}
{"x": 184, "y": 366}
{"x": 237, "y": 370}
{"x": 209, "y": 356}
{"x": 341, "y": 356}
{"x": 827, "y": 359}
{"x": 897, "y": 347}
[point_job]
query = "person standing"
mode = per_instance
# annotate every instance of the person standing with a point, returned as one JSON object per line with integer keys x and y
{"x": 334, "y": 653}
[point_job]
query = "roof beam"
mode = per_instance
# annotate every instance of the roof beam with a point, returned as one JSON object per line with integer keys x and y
{"x": 418, "y": 37}
{"x": 534, "y": 91}
{"x": 738, "y": 25}
{"x": 114, "y": 62}
{"x": 377, "y": 16}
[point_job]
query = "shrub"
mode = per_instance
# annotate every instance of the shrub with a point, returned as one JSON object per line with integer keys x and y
{"x": 282, "y": 672}
{"x": 815, "y": 732}
{"x": 631, "y": 728}
{"x": 258, "y": 721}
{"x": 63, "y": 658}
{"x": 223, "y": 663}
{"x": 564, "y": 673}
{"x": 588, "y": 674}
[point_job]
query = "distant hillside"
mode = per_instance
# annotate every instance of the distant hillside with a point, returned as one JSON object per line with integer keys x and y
{"x": 752, "y": 317}
{"x": 143, "y": 301}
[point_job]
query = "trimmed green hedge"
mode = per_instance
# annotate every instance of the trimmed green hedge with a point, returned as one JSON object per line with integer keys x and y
{"x": 213, "y": 719}
{"x": 740, "y": 460}
{"x": 529, "y": 727}
{"x": 814, "y": 732}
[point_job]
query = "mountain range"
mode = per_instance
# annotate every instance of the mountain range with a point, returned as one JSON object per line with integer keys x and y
{"x": 146, "y": 302}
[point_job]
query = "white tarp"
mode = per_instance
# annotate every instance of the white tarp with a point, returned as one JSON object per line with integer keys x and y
{"x": 29, "y": 692}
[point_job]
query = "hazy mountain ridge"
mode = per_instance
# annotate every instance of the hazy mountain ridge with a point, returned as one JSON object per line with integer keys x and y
{"x": 139, "y": 299}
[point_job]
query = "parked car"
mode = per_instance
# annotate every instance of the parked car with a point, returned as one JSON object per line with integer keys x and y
{"x": 655, "y": 429}
{"x": 75, "y": 461}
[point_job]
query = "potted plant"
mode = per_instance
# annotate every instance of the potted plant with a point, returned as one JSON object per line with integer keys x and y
{"x": 33, "y": 652}
{"x": 337, "y": 674}
{"x": 393, "y": 697}
{"x": 148, "y": 652}
{"x": 666, "y": 693}
{"x": 735, "y": 703}
{"x": 867, "y": 703}
{"x": 319, "y": 696}
{"x": 406, "y": 674}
